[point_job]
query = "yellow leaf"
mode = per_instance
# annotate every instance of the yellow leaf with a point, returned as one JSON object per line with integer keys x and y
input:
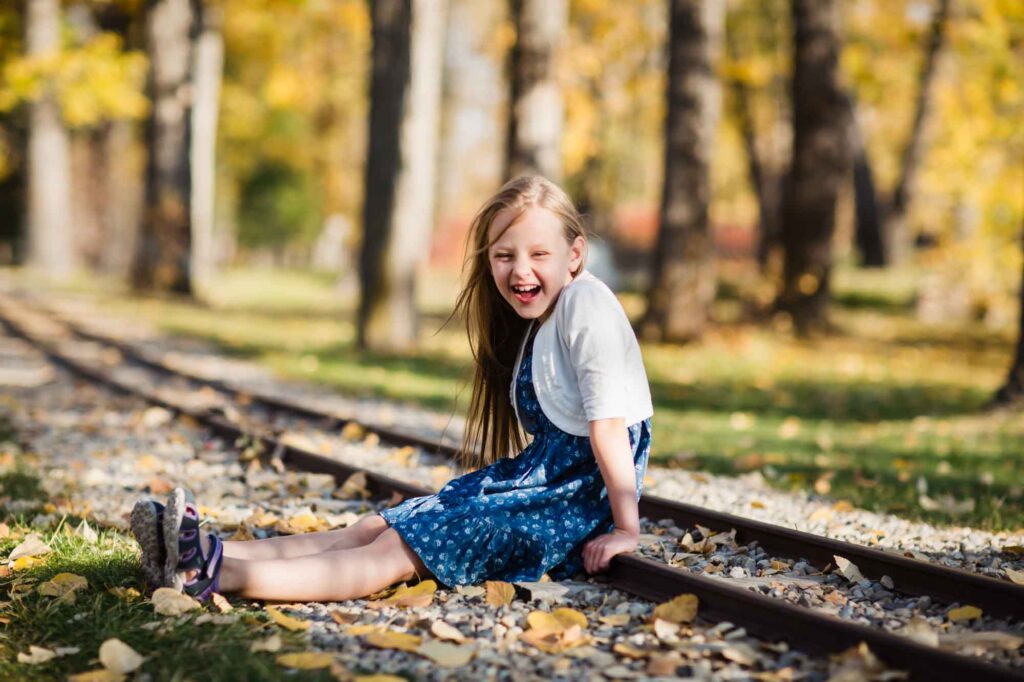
{"x": 419, "y": 595}
{"x": 36, "y": 655}
{"x": 125, "y": 593}
{"x": 356, "y": 630}
{"x": 446, "y": 655}
{"x": 615, "y": 619}
{"x": 389, "y": 639}
{"x": 63, "y": 586}
{"x": 499, "y": 593}
{"x": 630, "y": 651}
{"x": 118, "y": 657}
{"x": 548, "y": 642}
{"x": 101, "y": 675}
{"x": 964, "y": 613}
{"x": 681, "y": 609}
{"x": 378, "y": 678}
{"x": 557, "y": 621}
{"x": 221, "y": 602}
{"x": 24, "y": 562}
{"x": 1015, "y": 576}
{"x": 570, "y": 617}
{"x": 286, "y": 621}
{"x": 443, "y": 630}
{"x": 270, "y": 644}
{"x": 307, "y": 660}
{"x": 168, "y": 602}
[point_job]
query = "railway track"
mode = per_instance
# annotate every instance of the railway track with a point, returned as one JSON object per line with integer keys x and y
{"x": 654, "y": 580}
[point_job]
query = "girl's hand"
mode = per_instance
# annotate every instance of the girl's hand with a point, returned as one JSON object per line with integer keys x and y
{"x": 598, "y": 553}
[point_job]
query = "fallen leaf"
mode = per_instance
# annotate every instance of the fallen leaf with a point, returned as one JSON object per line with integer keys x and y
{"x": 964, "y": 613}
{"x": 981, "y": 641}
{"x": 378, "y": 678}
{"x": 63, "y": 586}
{"x": 31, "y": 546}
{"x": 125, "y": 593}
{"x": 738, "y": 652}
{"x": 1015, "y": 576}
{"x": 446, "y": 655}
{"x": 920, "y": 631}
{"x": 681, "y": 609}
{"x": 25, "y": 562}
{"x": 665, "y": 630}
{"x": 848, "y": 569}
{"x": 221, "y": 602}
{"x": 663, "y": 666}
{"x": 86, "y": 532}
{"x": 630, "y": 651}
{"x": 306, "y": 660}
{"x": 270, "y": 644}
{"x": 390, "y": 639}
{"x": 499, "y": 593}
{"x": 420, "y": 594}
{"x": 615, "y": 619}
{"x": 286, "y": 621}
{"x": 100, "y": 675}
{"x": 342, "y": 618}
{"x": 118, "y": 657}
{"x": 169, "y": 602}
{"x": 470, "y": 591}
{"x": 36, "y": 655}
{"x": 443, "y": 630}
{"x": 364, "y": 629}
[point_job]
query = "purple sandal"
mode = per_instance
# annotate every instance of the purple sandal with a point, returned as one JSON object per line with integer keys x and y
{"x": 184, "y": 551}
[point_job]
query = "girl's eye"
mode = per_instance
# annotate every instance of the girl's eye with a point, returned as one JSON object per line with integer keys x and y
{"x": 502, "y": 256}
{"x": 541, "y": 253}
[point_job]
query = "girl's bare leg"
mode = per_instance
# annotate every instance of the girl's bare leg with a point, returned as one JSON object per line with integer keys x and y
{"x": 332, "y": 575}
{"x": 360, "y": 533}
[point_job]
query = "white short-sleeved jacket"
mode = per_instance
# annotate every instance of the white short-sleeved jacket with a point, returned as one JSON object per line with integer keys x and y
{"x": 586, "y": 360}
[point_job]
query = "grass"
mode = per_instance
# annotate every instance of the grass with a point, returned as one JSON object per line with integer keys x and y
{"x": 883, "y": 411}
{"x": 110, "y": 606}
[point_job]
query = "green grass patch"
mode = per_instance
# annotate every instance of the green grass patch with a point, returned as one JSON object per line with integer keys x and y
{"x": 884, "y": 409}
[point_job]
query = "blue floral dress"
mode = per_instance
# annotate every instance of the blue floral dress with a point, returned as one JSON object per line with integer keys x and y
{"x": 520, "y": 517}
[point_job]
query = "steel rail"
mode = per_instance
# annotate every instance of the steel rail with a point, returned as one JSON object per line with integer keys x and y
{"x": 763, "y": 616}
{"x": 911, "y": 576}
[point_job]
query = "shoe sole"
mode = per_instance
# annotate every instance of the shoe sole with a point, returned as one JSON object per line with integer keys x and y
{"x": 174, "y": 512}
{"x": 144, "y": 523}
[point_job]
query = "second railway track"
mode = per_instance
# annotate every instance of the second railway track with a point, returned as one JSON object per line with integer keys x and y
{"x": 653, "y": 579}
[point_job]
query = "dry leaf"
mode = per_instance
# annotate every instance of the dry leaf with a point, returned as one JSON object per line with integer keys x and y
{"x": 221, "y": 602}
{"x": 286, "y": 621}
{"x": 979, "y": 642}
{"x": 169, "y": 602}
{"x": 665, "y": 631}
{"x": 615, "y": 619}
{"x": 63, "y": 586}
{"x": 390, "y": 639}
{"x": 470, "y": 591}
{"x": 1015, "y": 576}
{"x": 307, "y": 660}
{"x": 342, "y": 618}
{"x": 270, "y": 644}
{"x": 738, "y": 652}
{"x": 25, "y": 562}
{"x": 366, "y": 628}
{"x": 36, "y": 655}
{"x": 420, "y": 594}
{"x": 125, "y": 593}
{"x": 920, "y": 631}
{"x": 443, "y": 630}
{"x": 100, "y": 675}
{"x": 31, "y": 546}
{"x": 118, "y": 657}
{"x": 446, "y": 655}
{"x": 499, "y": 593}
{"x": 681, "y": 609}
{"x": 557, "y": 621}
{"x": 354, "y": 487}
{"x": 964, "y": 613}
{"x": 380, "y": 677}
{"x": 630, "y": 651}
{"x": 85, "y": 532}
{"x": 848, "y": 569}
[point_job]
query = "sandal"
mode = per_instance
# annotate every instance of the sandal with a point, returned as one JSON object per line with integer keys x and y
{"x": 207, "y": 578}
{"x": 147, "y": 527}
{"x": 181, "y": 538}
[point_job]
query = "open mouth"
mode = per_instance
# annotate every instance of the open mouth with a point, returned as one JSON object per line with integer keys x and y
{"x": 526, "y": 293}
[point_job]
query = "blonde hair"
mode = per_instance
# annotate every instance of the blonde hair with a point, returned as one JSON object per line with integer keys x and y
{"x": 494, "y": 329}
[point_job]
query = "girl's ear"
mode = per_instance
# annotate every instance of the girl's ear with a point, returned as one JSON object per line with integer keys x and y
{"x": 577, "y": 250}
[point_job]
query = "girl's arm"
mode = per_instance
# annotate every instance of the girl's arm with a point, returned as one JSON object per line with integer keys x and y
{"x": 610, "y": 443}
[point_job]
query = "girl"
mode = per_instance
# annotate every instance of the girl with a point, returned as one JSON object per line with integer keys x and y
{"x": 555, "y": 354}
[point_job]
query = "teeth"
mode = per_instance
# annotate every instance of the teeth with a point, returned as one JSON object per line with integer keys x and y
{"x": 524, "y": 289}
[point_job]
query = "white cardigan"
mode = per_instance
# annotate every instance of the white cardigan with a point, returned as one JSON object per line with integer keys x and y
{"x": 586, "y": 360}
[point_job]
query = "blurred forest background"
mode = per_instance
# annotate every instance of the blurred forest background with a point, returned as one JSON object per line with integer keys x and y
{"x": 813, "y": 210}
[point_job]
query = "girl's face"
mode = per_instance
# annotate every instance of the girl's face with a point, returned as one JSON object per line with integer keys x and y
{"x": 531, "y": 261}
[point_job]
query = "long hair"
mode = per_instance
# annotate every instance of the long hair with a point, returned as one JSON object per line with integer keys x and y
{"x": 494, "y": 329}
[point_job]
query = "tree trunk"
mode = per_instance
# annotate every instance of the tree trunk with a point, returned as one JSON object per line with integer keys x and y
{"x": 765, "y": 184}
{"x": 896, "y": 230}
{"x": 398, "y": 213}
{"x": 683, "y": 275}
{"x": 1013, "y": 390}
{"x": 50, "y": 246}
{"x": 209, "y": 63}
{"x": 534, "y": 141}
{"x": 163, "y": 252}
{"x": 868, "y": 235}
{"x": 818, "y": 166}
